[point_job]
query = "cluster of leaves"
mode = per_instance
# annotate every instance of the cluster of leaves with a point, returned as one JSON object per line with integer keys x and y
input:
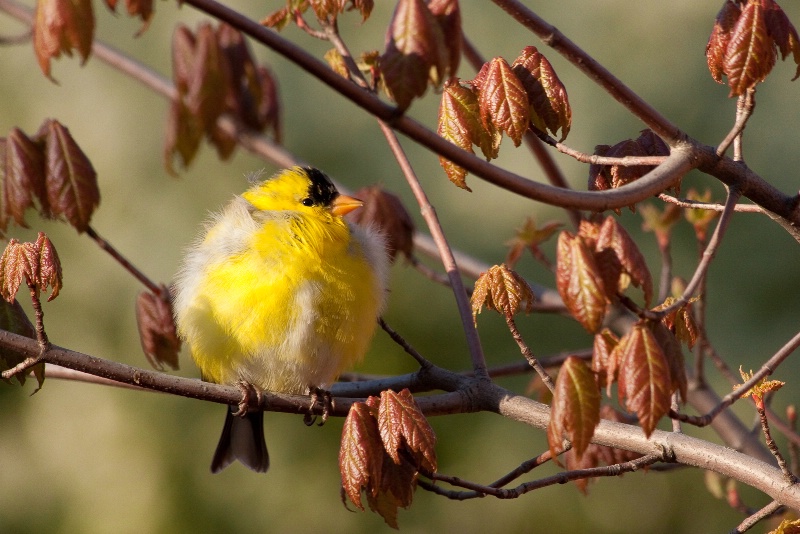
{"x": 64, "y": 25}
{"x": 214, "y": 73}
{"x": 385, "y": 443}
{"x": 423, "y": 43}
{"x": 503, "y": 290}
{"x": 594, "y": 266}
{"x": 325, "y": 10}
{"x": 36, "y": 265}
{"x": 602, "y": 177}
{"x": 745, "y": 41}
{"x": 502, "y": 98}
{"x": 48, "y": 171}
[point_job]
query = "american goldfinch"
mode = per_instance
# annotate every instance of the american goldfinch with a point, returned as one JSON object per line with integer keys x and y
{"x": 279, "y": 292}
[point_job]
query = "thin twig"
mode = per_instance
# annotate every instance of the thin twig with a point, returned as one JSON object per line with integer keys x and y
{"x": 127, "y": 265}
{"x": 708, "y": 255}
{"x": 696, "y": 204}
{"x": 745, "y": 105}
{"x": 769, "y": 510}
{"x": 429, "y": 273}
{"x": 559, "y": 478}
{"x": 771, "y": 445}
{"x": 526, "y": 351}
{"x": 594, "y": 159}
{"x": 397, "y": 338}
{"x": 766, "y": 369}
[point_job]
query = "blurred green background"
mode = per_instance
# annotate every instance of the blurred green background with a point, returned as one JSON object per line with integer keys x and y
{"x": 85, "y": 458}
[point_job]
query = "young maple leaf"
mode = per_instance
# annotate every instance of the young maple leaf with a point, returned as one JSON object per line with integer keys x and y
{"x": 580, "y": 282}
{"x": 547, "y": 96}
{"x": 136, "y": 8}
{"x": 61, "y": 26}
{"x": 414, "y": 44}
{"x": 35, "y": 264}
{"x": 604, "y": 364}
{"x": 617, "y": 253}
{"x": 503, "y": 290}
{"x": 386, "y": 212}
{"x": 645, "y": 384}
{"x": 403, "y": 427}
{"x": 745, "y": 42}
{"x": 761, "y": 388}
{"x": 576, "y": 407}
{"x": 157, "y": 333}
{"x": 70, "y": 178}
{"x": 361, "y": 454}
{"x": 23, "y": 177}
{"x": 529, "y": 237}
{"x": 503, "y": 101}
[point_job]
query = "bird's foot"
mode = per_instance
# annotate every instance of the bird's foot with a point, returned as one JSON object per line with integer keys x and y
{"x": 251, "y": 398}
{"x": 326, "y": 398}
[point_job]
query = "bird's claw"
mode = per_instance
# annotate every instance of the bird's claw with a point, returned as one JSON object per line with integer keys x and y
{"x": 327, "y": 406}
{"x": 251, "y": 398}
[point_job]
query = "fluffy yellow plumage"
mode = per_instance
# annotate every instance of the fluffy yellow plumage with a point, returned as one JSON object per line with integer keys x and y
{"x": 279, "y": 292}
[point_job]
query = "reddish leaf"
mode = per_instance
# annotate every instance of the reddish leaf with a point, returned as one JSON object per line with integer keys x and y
{"x": 502, "y": 290}
{"x": 549, "y": 105}
{"x": 580, "y": 282}
{"x": 59, "y": 26}
{"x": 70, "y": 179}
{"x": 411, "y": 51}
{"x": 599, "y": 177}
{"x": 447, "y": 14}
{"x": 625, "y": 174}
{"x": 458, "y": 118}
{"x": 278, "y": 19}
{"x": 34, "y": 264}
{"x": 206, "y": 83}
{"x": 183, "y": 137}
{"x": 644, "y": 379}
{"x": 363, "y": 6}
{"x": 136, "y": 8}
{"x": 783, "y": 32}
{"x": 385, "y": 211}
{"x": 361, "y": 454}
{"x": 503, "y": 101}
{"x": 604, "y": 364}
{"x": 576, "y": 407}
{"x": 157, "y": 333}
{"x": 674, "y": 355}
{"x": 327, "y": 10}
{"x": 49, "y": 266}
{"x": 397, "y": 487}
{"x": 22, "y": 172}
{"x": 615, "y": 238}
{"x": 720, "y": 37}
{"x": 750, "y": 54}
{"x": 404, "y": 427}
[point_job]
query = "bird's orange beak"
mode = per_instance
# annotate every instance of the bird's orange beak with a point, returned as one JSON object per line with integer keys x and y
{"x": 343, "y": 204}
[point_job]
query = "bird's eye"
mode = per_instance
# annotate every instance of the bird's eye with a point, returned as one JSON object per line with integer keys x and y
{"x": 307, "y": 202}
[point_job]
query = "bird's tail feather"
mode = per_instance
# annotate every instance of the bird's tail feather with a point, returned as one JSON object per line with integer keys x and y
{"x": 242, "y": 439}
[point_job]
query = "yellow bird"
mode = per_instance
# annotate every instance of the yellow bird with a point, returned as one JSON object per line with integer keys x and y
{"x": 279, "y": 292}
